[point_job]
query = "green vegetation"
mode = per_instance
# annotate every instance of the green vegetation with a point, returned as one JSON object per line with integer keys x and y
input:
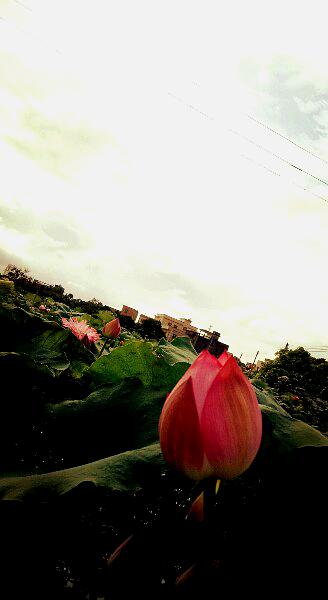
{"x": 300, "y": 383}
{"x": 79, "y": 450}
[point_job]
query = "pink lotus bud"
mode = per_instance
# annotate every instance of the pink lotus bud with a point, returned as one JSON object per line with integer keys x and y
{"x": 211, "y": 423}
{"x": 42, "y": 307}
{"x": 112, "y": 329}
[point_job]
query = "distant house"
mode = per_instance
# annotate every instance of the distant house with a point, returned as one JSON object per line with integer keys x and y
{"x": 127, "y": 311}
{"x": 201, "y": 338}
{"x": 143, "y": 318}
{"x": 174, "y": 327}
{"x": 208, "y": 340}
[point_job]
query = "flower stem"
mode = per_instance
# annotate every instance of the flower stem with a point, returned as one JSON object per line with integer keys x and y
{"x": 202, "y": 507}
{"x": 103, "y": 348}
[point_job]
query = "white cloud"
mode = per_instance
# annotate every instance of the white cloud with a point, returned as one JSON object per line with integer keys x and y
{"x": 168, "y": 194}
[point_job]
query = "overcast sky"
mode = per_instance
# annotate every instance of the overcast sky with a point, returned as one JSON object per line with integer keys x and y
{"x": 114, "y": 186}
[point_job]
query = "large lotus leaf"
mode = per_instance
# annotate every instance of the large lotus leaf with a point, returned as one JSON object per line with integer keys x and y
{"x": 179, "y": 350}
{"x": 287, "y": 434}
{"x": 25, "y": 331}
{"x": 136, "y": 359}
{"x": 53, "y": 339}
{"x": 110, "y": 420}
{"x": 17, "y": 370}
{"x": 105, "y": 316}
{"x": 126, "y": 472}
{"x": 135, "y": 469}
{"x": 46, "y": 351}
{"x": 124, "y": 416}
{"x": 17, "y": 324}
{"x": 14, "y": 371}
{"x": 62, "y": 309}
{"x": 266, "y": 398}
{"x": 56, "y": 347}
{"x": 49, "y": 361}
{"x": 289, "y": 445}
{"x": 22, "y": 380}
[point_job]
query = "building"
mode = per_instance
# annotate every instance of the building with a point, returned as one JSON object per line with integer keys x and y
{"x": 173, "y": 327}
{"x": 127, "y": 311}
{"x": 143, "y": 318}
{"x": 208, "y": 340}
{"x": 202, "y": 339}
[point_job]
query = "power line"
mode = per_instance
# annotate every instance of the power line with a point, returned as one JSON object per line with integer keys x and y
{"x": 305, "y": 189}
{"x": 191, "y": 106}
{"x": 235, "y": 132}
{"x": 23, "y": 5}
{"x": 37, "y": 38}
{"x": 204, "y": 114}
{"x": 245, "y": 137}
{"x": 319, "y": 346}
{"x": 285, "y": 137}
{"x": 324, "y": 348}
{"x": 251, "y": 117}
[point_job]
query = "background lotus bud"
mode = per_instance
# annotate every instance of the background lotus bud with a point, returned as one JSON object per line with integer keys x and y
{"x": 211, "y": 423}
{"x": 112, "y": 329}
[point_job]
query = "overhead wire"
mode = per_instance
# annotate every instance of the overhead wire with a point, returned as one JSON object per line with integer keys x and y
{"x": 239, "y": 134}
{"x": 23, "y": 5}
{"x": 269, "y": 128}
{"x": 229, "y": 129}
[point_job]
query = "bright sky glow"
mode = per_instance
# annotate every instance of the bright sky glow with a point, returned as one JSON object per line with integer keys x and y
{"x": 114, "y": 188}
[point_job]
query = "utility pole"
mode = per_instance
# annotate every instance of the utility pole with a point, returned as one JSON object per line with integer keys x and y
{"x": 253, "y": 363}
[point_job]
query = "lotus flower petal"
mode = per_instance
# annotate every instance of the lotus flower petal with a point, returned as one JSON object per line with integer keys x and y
{"x": 112, "y": 329}
{"x": 81, "y": 329}
{"x": 231, "y": 422}
{"x": 180, "y": 435}
{"x": 211, "y": 422}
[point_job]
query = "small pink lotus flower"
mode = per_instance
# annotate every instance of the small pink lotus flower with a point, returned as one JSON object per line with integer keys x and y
{"x": 112, "y": 329}
{"x": 81, "y": 330}
{"x": 42, "y": 307}
{"x": 211, "y": 423}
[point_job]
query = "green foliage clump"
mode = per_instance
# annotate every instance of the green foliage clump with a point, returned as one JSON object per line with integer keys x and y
{"x": 301, "y": 383}
{"x": 296, "y": 371}
{"x": 151, "y": 329}
{"x": 7, "y": 289}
